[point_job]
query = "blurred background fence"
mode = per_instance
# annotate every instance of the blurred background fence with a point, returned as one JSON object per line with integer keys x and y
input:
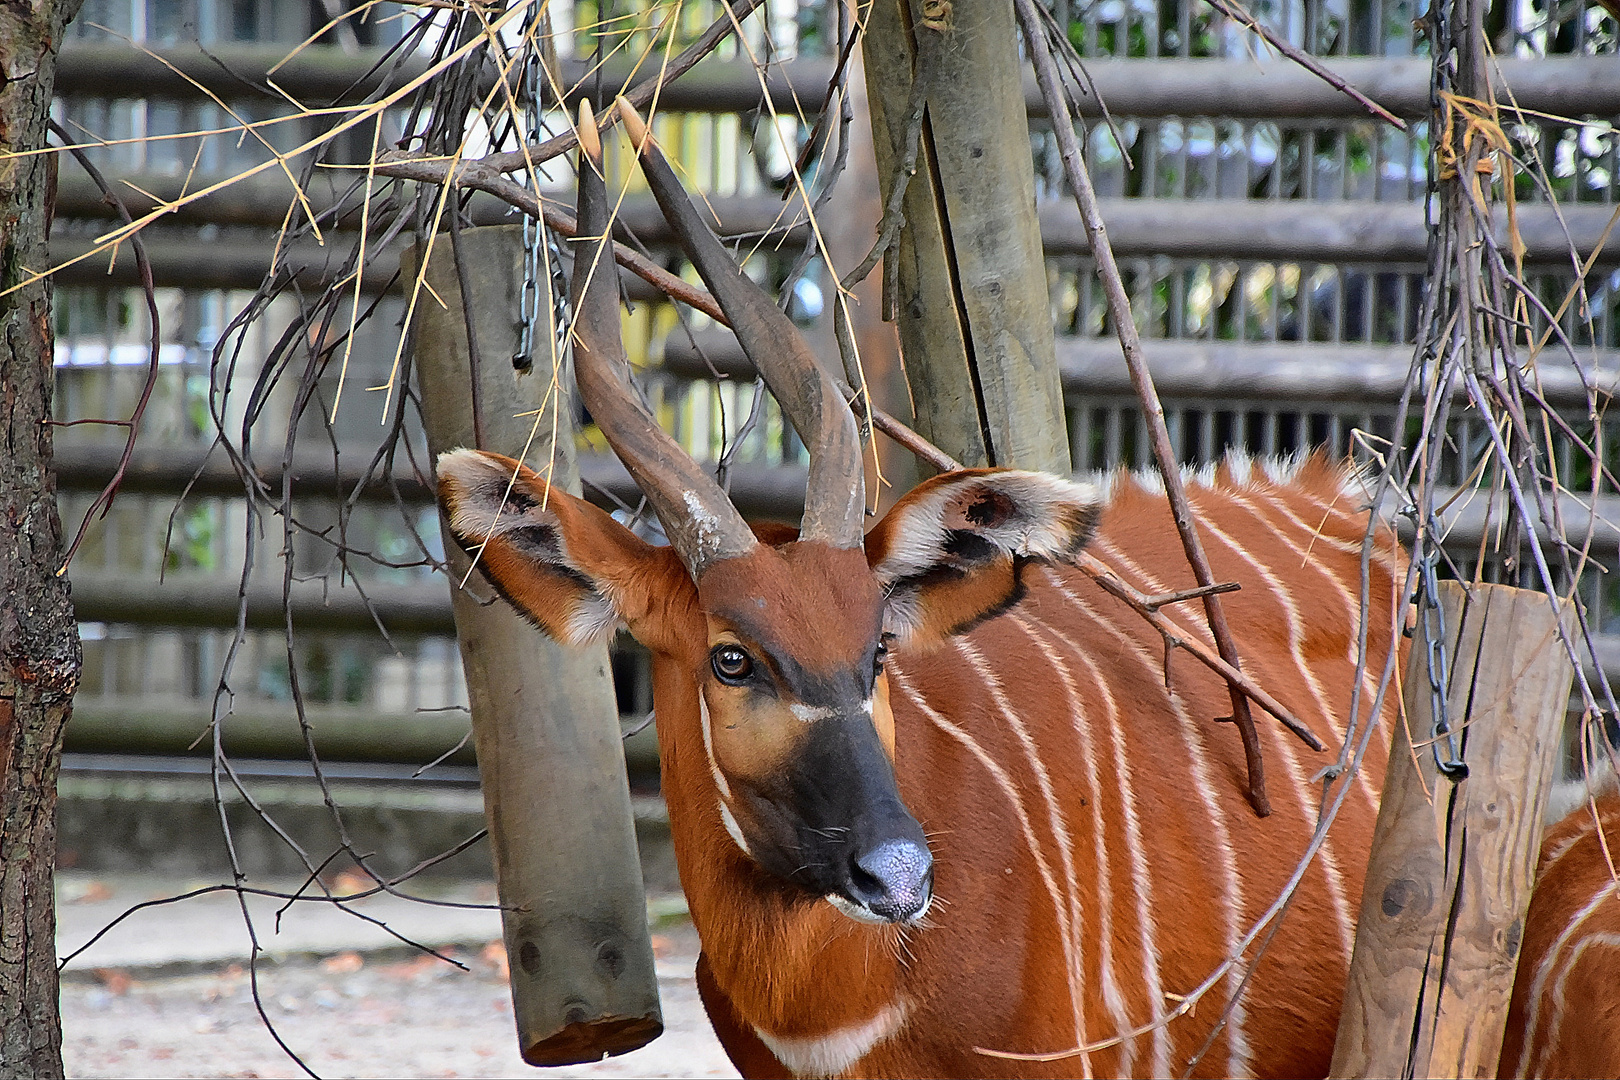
{"x": 1272, "y": 235}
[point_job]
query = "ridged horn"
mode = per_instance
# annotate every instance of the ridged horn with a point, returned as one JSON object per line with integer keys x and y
{"x": 835, "y": 499}
{"x": 702, "y": 525}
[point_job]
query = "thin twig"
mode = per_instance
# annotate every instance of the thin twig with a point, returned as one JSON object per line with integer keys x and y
{"x": 143, "y": 266}
{"x": 1147, "y": 607}
{"x": 1232, "y": 10}
{"x": 474, "y": 174}
{"x": 1161, "y": 599}
{"x": 640, "y": 97}
{"x": 1119, "y": 309}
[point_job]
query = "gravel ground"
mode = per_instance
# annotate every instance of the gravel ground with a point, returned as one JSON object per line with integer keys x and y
{"x": 355, "y": 1012}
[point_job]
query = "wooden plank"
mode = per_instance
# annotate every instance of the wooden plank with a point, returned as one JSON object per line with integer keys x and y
{"x": 1357, "y": 233}
{"x": 544, "y": 716}
{"x": 342, "y": 733}
{"x": 1452, "y": 864}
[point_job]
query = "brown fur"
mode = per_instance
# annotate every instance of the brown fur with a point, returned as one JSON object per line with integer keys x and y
{"x": 1564, "y": 1020}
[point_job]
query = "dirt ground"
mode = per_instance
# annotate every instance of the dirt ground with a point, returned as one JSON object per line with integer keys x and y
{"x": 358, "y": 1012}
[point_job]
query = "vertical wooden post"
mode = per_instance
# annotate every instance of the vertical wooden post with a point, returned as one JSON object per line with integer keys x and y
{"x": 1452, "y": 864}
{"x": 544, "y": 717}
{"x": 975, "y": 316}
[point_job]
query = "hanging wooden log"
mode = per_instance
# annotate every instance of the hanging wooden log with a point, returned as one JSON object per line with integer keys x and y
{"x": 544, "y": 717}
{"x": 1452, "y": 862}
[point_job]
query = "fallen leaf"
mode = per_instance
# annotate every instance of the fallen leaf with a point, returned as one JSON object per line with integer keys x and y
{"x": 115, "y": 980}
{"x": 350, "y": 882}
{"x": 494, "y": 954}
{"x": 410, "y": 969}
{"x": 343, "y": 963}
{"x": 94, "y": 892}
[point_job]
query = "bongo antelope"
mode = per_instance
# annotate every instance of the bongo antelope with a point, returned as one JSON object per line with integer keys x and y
{"x": 929, "y": 790}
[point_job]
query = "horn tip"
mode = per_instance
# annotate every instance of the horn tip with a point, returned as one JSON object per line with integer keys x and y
{"x": 590, "y": 140}
{"x": 634, "y": 126}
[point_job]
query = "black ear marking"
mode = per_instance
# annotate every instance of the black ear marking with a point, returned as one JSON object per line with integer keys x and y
{"x": 989, "y": 507}
{"x": 966, "y": 546}
{"x": 538, "y": 542}
{"x": 518, "y": 501}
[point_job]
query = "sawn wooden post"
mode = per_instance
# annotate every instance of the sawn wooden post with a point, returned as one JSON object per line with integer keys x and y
{"x": 544, "y": 716}
{"x": 1453, "y": 862}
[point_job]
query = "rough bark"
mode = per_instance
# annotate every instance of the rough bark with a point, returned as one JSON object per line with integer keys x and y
{"x": 39, "y": 641}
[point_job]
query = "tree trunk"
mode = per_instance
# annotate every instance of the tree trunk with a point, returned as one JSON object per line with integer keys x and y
{"x": 39, "y": 641}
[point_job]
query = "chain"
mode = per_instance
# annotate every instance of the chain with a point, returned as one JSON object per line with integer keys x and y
{"x": 1450, "y": 764}
{"x": 534, "y": 232}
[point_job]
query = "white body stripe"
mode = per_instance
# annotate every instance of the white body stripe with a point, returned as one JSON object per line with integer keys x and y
{"x": 1068, "y": 913}
{"x": 1113, "y": 997}
{"x": 1010, "y": 789}
{"x": 1231, "y": 899}
{"x": 1545, "y": 968}
{"x": 1286, "y": 749}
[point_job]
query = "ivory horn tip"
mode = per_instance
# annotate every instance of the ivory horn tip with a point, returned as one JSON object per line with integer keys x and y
{"x": 634, "y": 126}
{"x": 590, "y": 141}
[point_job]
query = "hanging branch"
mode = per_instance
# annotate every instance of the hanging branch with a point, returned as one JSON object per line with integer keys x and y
{"x": 1234, "y": 11}
{"x": 143, "y": 266}
{"x": 1119, "y": 308}
{"x": 539, "y": 153}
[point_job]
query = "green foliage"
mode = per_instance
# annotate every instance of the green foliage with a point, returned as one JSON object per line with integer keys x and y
{"x": 191, "y": 545}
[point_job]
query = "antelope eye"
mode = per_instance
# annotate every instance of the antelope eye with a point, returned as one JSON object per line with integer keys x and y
{"x": 731, "y": 664}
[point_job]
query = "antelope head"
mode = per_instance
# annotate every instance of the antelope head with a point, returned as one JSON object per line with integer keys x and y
{"x": 770, "y": 645}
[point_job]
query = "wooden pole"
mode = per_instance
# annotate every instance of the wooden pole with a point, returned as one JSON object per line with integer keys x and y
{"x": 1452, "y": 863}
{"x": 544, "y": 717}
{"x": 971, "y": 298}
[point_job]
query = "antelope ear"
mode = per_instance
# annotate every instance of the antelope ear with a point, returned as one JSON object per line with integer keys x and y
{"x": 564, "y": 564}
{"x": 952, "y": 552}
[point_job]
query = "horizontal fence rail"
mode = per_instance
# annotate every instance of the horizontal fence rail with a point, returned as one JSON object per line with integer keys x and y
{"x": 1347, "y": 233}
{"x": 759, "y": 490}
{"x": 1267, "y": 371}
{"x": 1291, "y": 230}
{"x": 144, "y": 727}
{"x": 1146, "y": 88}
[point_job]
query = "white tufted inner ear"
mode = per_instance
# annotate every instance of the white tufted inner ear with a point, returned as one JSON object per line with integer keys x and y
{"x": 1026, "y": 514}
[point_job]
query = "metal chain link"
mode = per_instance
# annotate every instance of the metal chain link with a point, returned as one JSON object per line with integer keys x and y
{"x": 529, "y": 293}
{"x": 1450, "y": 763}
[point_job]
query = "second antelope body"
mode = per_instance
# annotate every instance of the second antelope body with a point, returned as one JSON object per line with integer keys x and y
{"x": 929, "y": 792}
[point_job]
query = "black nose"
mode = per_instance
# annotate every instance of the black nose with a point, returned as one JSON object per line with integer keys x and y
{"x": 894, "y": 880}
